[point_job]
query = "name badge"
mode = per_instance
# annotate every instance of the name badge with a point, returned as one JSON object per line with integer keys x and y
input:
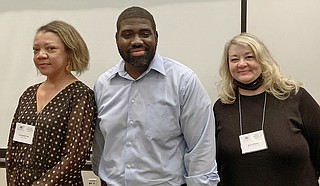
{"x": 252, "y": 142}
{"x": 24, "y": 133}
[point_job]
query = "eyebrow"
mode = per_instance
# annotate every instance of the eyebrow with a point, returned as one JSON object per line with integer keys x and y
{"x": 249, "y": 53}
{"x": 46, "y": 44}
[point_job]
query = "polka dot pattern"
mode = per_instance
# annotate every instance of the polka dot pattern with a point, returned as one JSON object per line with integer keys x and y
{"x": 62, "y": 139}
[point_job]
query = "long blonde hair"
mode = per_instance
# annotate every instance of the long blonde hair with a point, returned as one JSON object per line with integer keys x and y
{"x": 275, "y": 82}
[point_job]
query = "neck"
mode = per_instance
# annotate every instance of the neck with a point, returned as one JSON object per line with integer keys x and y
{"x": 245, "y": 92}
{"x": 254, "y": 85}
{"x": 133, "y": 71}
{"x": 253, "y": 88}
{"x": 57, "y": 80}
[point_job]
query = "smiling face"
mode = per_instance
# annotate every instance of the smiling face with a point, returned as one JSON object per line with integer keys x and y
{"x": 50, "y": 56}
{"x": 243, "y": 65}
{"x": 137, "y": 41}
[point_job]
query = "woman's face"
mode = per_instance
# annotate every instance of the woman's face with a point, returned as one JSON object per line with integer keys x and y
{"x": 49, "y": 54}
{"x": 243, "y": 65}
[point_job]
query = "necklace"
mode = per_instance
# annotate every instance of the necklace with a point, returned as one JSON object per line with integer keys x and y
{"x": 263, "y": 112}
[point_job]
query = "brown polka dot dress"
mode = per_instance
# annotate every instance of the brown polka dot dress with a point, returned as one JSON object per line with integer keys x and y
{"x": 62, "y": 138}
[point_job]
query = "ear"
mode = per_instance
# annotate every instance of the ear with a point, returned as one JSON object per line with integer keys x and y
{"x": 156, "y": 36}
{"x": 116, "y": 37}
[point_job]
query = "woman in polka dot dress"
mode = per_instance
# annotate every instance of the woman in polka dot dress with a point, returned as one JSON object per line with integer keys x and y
{"x": 52, "y": 129}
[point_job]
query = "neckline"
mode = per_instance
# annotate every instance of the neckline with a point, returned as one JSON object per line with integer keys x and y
{"x": 253, "y": 95}
{"x": 38, "y": 111}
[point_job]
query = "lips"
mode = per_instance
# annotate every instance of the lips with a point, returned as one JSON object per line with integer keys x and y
{"x": 243, "y": 72}
{"x": 40, "y": 65}
{"x": 137, "y": 52}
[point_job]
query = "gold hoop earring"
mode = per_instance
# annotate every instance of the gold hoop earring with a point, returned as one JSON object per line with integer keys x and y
{"x": 68, "y": 68}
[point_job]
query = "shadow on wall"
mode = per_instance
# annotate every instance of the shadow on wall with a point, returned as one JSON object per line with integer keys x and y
{"x": 15, "y": 5}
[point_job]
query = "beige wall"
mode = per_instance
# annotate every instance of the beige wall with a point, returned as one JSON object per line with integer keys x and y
{"x": 190, "y": 31}
{"x": 291, "y": 30}
{"x": 3, "y": 177}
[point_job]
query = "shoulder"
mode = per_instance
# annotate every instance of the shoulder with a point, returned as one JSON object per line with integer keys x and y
{"x": 301, "y": 94}
{"x": 111, "y": 72}
{"x": 305, "y": 97}
{"x": 107, "y": 76}
{"x": 31, "y": 89}
{"x": 80, "y": 88}
{"x": 221, "y": 108}
{"x": 218, "y": 105}
{"x": 177, "y": 71}
{"x": 171, "y": 64}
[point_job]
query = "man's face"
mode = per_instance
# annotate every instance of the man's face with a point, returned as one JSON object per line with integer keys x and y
{"x": 137, "y": 41}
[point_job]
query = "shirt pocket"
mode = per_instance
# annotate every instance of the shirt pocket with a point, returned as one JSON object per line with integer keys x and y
{"x": 162, "y": 122}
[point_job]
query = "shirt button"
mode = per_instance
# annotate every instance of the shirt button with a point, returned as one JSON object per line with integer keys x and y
{"x": 132, "y": 101}
{"x": 129, "y": 166}
{"x": 131, "y": 122}
{"x": 129, "y": 143}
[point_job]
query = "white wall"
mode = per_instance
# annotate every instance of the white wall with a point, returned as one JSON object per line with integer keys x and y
{"x": 291, "y": 30}
{"x": 190, "y": 31}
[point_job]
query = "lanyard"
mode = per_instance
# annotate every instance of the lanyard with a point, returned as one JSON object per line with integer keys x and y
{"x": 263, "y": 114}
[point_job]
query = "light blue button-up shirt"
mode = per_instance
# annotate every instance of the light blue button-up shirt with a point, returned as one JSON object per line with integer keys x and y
{"x": 154, "y": 130}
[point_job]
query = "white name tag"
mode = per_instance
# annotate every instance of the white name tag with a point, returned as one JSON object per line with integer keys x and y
{"x": 24, "y": 133}
{"x": 252, "y": 142}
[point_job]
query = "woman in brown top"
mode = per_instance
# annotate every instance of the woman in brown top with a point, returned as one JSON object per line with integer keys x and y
{"x": 52, "y": 128}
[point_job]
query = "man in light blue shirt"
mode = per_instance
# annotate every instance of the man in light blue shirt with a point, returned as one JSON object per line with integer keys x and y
{"x": 155, "y": 120}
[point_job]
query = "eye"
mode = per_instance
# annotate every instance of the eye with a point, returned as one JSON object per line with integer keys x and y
{"x": 35, "y": 50}
{"x": 145, "y": 34}
{"x": 51, "y": 48}
{"x": 250, "y": 57}
{"x": 126, "y": 35}
{"x": 233, "y": 60}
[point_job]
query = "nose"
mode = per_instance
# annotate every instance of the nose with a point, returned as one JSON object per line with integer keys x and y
{"x": 136, "y": 40}
{"x": 242, "y": 63}
{"x": 42, "y": 54}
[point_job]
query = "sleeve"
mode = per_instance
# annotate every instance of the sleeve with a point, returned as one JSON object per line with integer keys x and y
{"x": 310, "y": 112}
{"x": 197, "y": 123}
{"x": 216, "y": 106}
{"x": 98, "y": 140}
{"x": 97, "y": 149}
{"x": 78, "y": 139}
{"x": 10, "y": 149}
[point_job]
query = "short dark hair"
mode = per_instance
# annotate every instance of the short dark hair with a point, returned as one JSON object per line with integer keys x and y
{"x": 136, "y": 12}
